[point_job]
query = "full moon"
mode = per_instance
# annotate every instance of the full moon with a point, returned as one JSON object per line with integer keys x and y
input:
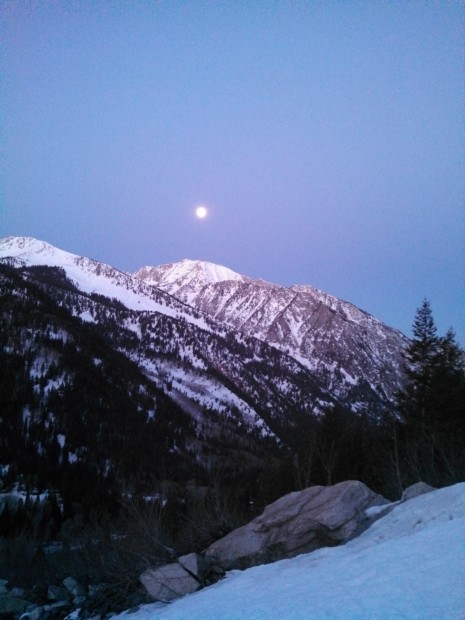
{"x": 201, "y": 212}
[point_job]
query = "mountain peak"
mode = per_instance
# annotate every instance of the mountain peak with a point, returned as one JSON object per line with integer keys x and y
{"x": 25, "y": 247}
{"x": 187, "y": 275}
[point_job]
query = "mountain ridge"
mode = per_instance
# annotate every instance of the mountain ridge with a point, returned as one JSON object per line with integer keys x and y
{"x": 303, "y": 321}
{"x": 353, "y": 355}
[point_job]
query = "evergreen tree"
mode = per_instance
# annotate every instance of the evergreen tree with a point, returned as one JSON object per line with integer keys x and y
{"x": 420, "y": 358}
{"x": 432, "y": 404}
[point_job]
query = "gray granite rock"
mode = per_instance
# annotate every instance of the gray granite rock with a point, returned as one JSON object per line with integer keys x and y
{"x": 415, "y": 490}
{"x": 195, "y": 564}
{"x": 74, "y": 587}
{"x": 298, "y": 523}
{"x": 168, "y": 582}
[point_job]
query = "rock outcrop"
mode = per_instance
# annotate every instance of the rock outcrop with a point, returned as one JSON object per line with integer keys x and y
{"x": 177, "y": 579}
{"x": 298, "y": 523}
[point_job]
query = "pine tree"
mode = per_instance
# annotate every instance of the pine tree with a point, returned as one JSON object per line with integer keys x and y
{"x": 420, "y": 358}
{"x": 432, "y": 404}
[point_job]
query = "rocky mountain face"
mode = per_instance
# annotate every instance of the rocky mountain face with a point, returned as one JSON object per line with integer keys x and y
{"x": 351, "y": 354}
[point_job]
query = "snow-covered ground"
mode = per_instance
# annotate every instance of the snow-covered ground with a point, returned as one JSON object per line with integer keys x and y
{"x": 409, "y": 565}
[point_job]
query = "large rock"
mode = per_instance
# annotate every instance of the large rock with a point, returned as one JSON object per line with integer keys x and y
{"x": 74, "y": 587}
{"x": 298, "y": 523}
{"x": 10, "y": 606}
{"x": 195, "y": 565}
{"x": 168, "y": 582}
{"x": 417, "y": 489}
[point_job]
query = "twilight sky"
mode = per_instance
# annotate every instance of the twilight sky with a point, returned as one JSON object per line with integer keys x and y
{"x": 325, "y": 138}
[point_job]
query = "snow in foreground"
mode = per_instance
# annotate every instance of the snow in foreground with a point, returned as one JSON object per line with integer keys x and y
{"x": 409, "y": 564}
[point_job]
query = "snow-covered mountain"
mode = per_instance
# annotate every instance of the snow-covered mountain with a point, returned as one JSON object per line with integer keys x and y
{"x": 237, "y": 382}
{"x": 349, "y": 355}
{"x": 353, "y": 355}
{"x": 408, "y": 564}
{"x": 229, "y": 374}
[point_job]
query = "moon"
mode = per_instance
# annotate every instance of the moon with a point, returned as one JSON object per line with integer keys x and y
{"x": 201, "y": 212}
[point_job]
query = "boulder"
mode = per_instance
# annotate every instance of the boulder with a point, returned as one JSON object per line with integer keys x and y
{"x": 168, "y": 582}
{"x": 12, "y": 606}
{"x": 419, "y": 488}
{"x": 195, "y": 565}
{"x": 299, "y": 522}
{"x": 57, "y": 593}
{"x": 74, "y": 587}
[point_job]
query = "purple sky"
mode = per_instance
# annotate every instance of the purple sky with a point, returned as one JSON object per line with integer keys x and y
{"x": 325, "y": 137}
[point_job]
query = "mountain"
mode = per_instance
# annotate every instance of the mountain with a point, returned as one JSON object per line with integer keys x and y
{"x": 124, "y": 382}
{"x": 205, "y": 363}
{"x": 352, "y": 355}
